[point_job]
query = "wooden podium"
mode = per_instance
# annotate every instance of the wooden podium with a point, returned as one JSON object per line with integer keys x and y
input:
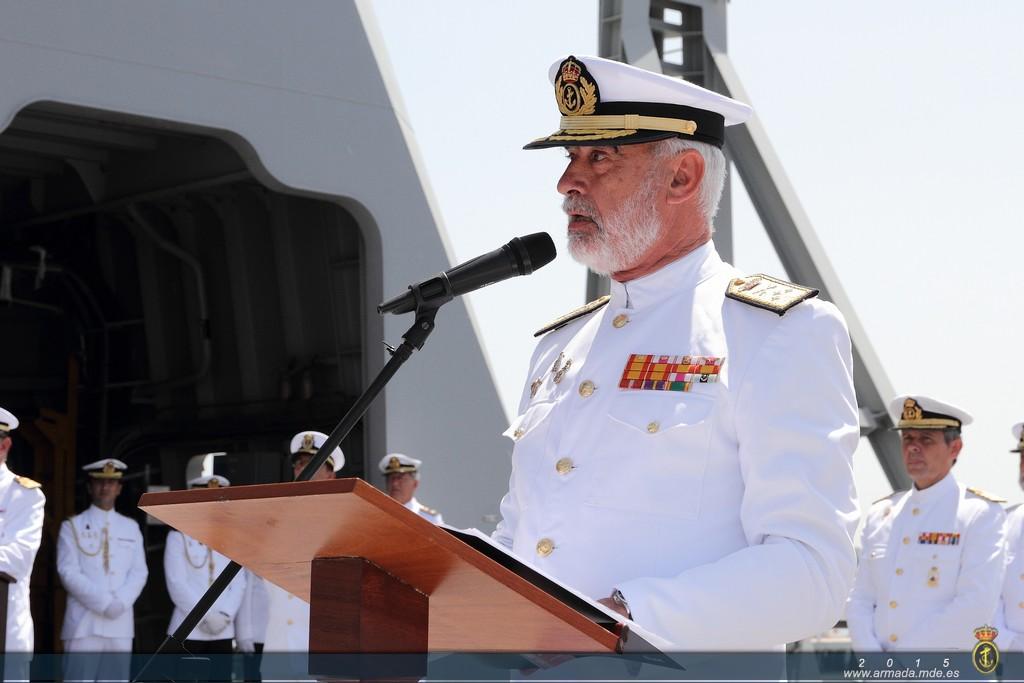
{"x": 379, "y": 578}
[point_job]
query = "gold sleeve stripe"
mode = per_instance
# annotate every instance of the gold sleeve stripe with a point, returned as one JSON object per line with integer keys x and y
{"x": 628, "y": 122}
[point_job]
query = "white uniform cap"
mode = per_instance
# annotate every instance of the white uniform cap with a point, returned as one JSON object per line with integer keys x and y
{"x": 393, "y": 463}
{"x": 914, "y": 411}
{"x": 210, "y": 481}
{"x": 1018, "y": 433}
{"x": 108, "y": 468}
{"x": 310, "y": 442}
{"x": 604, "y": 102}
{"x": 8, "y": 423}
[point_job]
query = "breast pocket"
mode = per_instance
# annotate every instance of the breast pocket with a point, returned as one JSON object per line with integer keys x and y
{"x": 653, "y": 453}
{"x": 935, "y": 571}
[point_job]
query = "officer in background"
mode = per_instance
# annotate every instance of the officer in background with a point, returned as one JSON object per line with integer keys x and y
{"x": 251, "y": 624}
{"x": 190, "y": 568}
{"x": 102, "y": 564}
{"x": 1011, "y": 607}
{"x": 288, "y": 624}
{"x": 682, "y": 451}
{"x": 21, "y": 530}
{"x": 931, "y": 560}
{"x": 402, "y": 477}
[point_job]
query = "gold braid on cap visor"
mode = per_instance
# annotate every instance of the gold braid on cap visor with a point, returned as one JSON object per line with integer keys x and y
{"x": 630, "y": 122}
{"x": 928, "y": 423}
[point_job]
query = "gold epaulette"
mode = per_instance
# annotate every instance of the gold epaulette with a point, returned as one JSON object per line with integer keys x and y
{"x": 992, "y": 498}
{"x": 769, "y": 293}
{"x": 429, "y": 511}
{"x": 28, "y": 483}
{"x": 885, "y": 497}
{"x": 572, "y": 315}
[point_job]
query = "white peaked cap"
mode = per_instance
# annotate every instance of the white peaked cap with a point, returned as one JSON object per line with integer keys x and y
{"x": 917, "y": 411}
{"x": 310, "y": 442}
{"x": 8, "y": 422}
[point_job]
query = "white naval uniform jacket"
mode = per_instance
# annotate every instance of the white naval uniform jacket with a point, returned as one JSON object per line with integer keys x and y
{"x": 90, "y": 588}
{"x": 724, "y": 514}
{"x": 188, "y": 577}
{"x": 254, "y": 611}
{"x": 21, "y": 530}
{"x": 288, "y": 625}
{"x": 1010, "y": 617}
{"x": 426, "y": 513}
{"x": 931, "y": 568}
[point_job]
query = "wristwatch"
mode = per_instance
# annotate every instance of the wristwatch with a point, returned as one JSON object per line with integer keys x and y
{"x": 619, "y": 599}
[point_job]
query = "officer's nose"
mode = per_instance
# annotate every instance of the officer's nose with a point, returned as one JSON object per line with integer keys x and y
{"x": 572, "y": 180}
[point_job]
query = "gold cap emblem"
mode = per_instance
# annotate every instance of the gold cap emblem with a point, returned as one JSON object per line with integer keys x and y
{"x": 911, "y": 411}
{"x": 213, "y": 483}
{"x": 575, "y": 89}
{"x": 308, "y": 444}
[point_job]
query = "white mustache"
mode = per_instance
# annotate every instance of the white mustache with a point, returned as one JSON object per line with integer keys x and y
{"x": 573, "y": 204}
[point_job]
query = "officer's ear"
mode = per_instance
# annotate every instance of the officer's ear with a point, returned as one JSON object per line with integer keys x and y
{"x": 687, "y": 174}
{"x": 955, "y": 446}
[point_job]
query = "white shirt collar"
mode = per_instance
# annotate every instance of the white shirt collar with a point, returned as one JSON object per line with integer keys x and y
{"x": 934, "y": 492}
{"x": 5, "y": 472}
{"x": 95, "y": 511}
{"x": 679, "y": 275}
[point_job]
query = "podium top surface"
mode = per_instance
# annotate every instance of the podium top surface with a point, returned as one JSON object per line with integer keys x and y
{"x": 277, "y": 530}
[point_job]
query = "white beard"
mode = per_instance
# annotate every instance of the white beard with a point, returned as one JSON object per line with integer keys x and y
{"x": 622, "y": 238}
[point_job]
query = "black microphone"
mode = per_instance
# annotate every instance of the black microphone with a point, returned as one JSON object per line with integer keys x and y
{"x": 521, "y": 256}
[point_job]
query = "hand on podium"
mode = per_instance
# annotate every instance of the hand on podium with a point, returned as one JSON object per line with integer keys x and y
{"x": 246, "y": 645}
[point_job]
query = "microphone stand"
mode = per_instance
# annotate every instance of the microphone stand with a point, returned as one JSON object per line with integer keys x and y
{"x": 413, "y": 340}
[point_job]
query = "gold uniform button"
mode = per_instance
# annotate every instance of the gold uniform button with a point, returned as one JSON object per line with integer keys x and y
{"x": 893, "y": 604}
{"x": 906, "y": 540}
{"x": 564, "y": 466}
{"x": 620, "y": 321}
{"x": 893, "y": 638}
{"x": 899, "y": 572}
{"x": 652, "y": 427}
{"x": 587, "y": 388}
{"x": 290, "y": 622}
{"x": 915, "y": 511}
{"x": 1020, "y": 604}
{"x": 1022, "y": 577}
{"x": 518, "y": 433}
{"x": 545, "y": 546}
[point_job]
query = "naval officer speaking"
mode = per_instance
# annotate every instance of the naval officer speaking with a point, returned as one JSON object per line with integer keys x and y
{"x": 683, "y": 447}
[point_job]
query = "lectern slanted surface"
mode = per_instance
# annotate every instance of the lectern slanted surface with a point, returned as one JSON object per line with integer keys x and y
{"x": 276, "y": 530}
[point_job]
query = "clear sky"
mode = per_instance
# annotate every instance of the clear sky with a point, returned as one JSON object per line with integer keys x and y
{"x": 898, "y": 124}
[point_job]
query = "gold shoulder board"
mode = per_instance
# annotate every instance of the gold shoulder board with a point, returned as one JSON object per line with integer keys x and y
{"x": 990, "y": 497}
{"x": 28, "y": 483}
{"x": 429, "y": 511}
{"x": 769, "y": 293}
{"x": 572, "y": 315}
{"x": 885, "y": 497}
